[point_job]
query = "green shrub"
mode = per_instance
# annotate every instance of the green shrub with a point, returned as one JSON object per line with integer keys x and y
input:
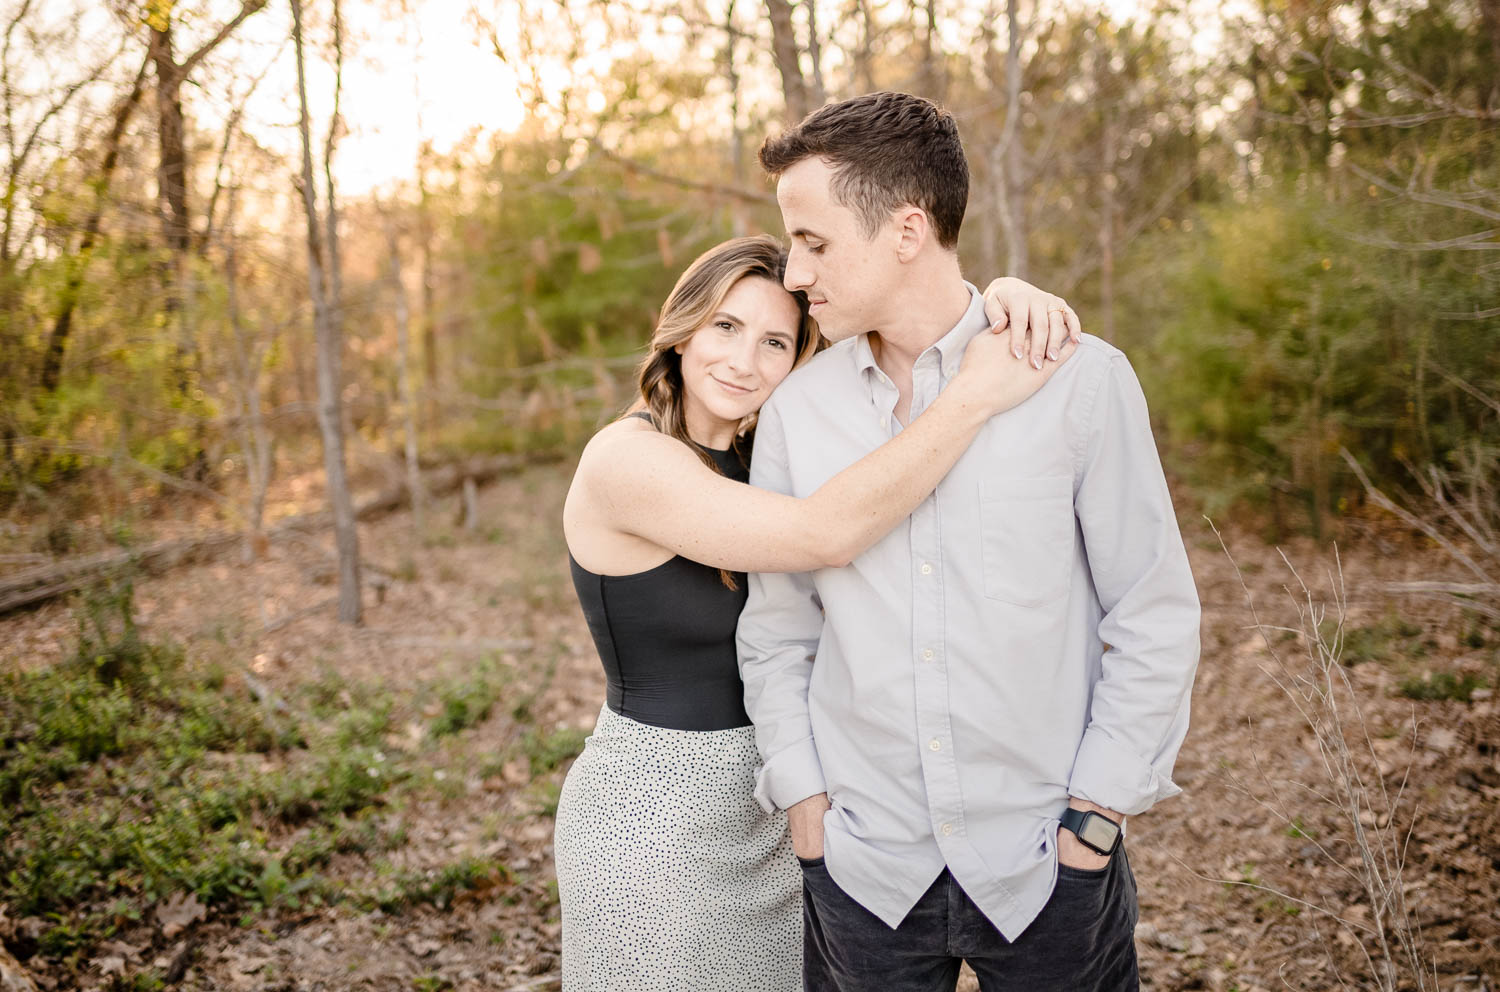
{"x": 438, "y": 888}
{"x": 469, "y": 702}
{"x": 1273, "y": 336}
{"x": 1442, "y": 685}
{"x": 547, "y": 752}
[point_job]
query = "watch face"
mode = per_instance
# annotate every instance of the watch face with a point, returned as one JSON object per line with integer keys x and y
{"x": 1099, "y": 832}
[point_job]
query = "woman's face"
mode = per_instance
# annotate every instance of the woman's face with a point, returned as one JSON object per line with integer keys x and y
{"x": 741, "y": 353}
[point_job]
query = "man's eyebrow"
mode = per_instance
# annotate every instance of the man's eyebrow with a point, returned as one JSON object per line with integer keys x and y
{"x": 804, "y": 234}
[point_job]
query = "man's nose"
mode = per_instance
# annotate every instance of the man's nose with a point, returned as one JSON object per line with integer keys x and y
{"x": 797, "y": 275}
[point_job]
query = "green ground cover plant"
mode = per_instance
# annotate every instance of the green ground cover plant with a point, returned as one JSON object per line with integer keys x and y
{"x": 131, "y": 773}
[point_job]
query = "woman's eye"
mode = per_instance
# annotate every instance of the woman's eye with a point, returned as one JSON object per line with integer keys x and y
{"x": 776, "y": 343}
{"x": 724, "y": 325}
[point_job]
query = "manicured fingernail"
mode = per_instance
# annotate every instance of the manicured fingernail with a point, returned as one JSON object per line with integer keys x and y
{"x": 1018, "y": 352}
{"x": 1052, "y": 353}
{"x": 1036, "y": 363}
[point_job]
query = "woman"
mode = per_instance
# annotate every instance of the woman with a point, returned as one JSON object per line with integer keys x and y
{"x": 669, "y": 873}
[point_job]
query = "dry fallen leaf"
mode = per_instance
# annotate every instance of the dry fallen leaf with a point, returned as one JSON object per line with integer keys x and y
{"x": 178, "y": 912}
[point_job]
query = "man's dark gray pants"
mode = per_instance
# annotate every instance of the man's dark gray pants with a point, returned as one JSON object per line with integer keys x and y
{"x": 1083, "y": 940}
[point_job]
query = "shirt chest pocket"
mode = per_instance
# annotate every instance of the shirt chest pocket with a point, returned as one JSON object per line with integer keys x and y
{"x": 1026, "y": 538}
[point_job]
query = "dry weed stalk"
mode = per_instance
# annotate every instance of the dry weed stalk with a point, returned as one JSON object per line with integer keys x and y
{"x": 1461, "y": 499}
{"x": 1318, "y": 685}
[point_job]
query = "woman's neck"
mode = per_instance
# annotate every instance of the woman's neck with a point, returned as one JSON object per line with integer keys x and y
{"x": 711, "y": 432}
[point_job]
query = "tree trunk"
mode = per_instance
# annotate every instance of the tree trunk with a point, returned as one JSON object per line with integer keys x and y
{"x": 57, "y": 340}
{"x": 817, "y": 95}
{"x": 172, "y": 192}
{"x": 740, "y": 223}
{"x": 171, "y": 189}
{"x": 335, "y": 271}
{"x": 788, "y": 60}
{"x": 330, "y": 361}
{"x": 429, "y": 305}
{"x": 864, "y": 55}
{"x": 408, "y": 394}
{"x": 933, "y": 84}
{"x": 1013, "y": 170}
{"x": 256, "y": 443}
{"x": 1108, "y": 140}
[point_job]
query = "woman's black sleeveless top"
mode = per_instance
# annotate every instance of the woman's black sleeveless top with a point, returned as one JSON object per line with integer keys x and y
{"x": 666, "y": 637}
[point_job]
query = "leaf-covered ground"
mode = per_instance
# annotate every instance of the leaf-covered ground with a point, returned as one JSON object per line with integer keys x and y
{"x": 482, "y": 681}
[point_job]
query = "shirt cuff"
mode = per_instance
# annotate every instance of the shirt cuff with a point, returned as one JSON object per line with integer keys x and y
{"x": 1109, "y": 774}
{"x": 790, "y": 776}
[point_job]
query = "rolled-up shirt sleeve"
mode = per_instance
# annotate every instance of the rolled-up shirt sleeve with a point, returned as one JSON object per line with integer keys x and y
{"x": 777, "y": 641}
{"x": 1138, "y": 715}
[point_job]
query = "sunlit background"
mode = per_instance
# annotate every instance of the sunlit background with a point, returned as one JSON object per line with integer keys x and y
{"x": 1284, "y": 210}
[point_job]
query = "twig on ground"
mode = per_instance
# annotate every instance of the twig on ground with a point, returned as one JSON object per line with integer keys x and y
{"x": 290, "y": 618}
{"x": 540, "y": 981}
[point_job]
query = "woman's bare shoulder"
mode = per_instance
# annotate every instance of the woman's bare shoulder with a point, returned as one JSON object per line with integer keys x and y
{"x": 627, "y": 443}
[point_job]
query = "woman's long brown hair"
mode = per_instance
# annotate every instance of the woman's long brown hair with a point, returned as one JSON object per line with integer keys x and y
{"x": 699, "y": 293}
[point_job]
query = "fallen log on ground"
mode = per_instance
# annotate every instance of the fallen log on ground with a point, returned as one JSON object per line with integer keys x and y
{"x": 36, "y": 585}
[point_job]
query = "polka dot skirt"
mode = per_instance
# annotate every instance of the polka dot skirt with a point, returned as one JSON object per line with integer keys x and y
{"x": 671, "y": 875}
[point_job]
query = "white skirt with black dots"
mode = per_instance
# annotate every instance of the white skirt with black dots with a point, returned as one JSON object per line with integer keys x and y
{"x": 671, "y": 876}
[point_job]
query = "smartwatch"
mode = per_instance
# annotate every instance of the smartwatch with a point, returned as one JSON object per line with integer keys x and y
{"x": 1097, "y": 831}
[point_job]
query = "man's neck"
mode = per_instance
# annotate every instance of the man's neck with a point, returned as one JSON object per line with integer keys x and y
{"x": 922, "y": 313}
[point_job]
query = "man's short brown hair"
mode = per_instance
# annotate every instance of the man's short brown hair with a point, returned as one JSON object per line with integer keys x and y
{"x": 886, "y": 150}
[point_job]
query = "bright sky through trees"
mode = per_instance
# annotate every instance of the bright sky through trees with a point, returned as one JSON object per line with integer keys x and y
{"x": 430, "y": 72}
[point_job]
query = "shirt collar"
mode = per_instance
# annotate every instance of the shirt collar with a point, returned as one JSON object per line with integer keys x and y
{"x": 950, "y": 347}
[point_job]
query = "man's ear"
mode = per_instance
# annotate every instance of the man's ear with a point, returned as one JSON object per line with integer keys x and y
{"x": 913, "y": 228}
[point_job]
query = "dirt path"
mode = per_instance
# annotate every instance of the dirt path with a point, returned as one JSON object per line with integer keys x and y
{"x": 502, "y": 592}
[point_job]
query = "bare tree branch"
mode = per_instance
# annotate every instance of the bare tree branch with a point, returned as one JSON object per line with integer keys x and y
{"x": 247, "y": 7}
{"x": 1438, "y": 198}
{"x": 714, "y": 189}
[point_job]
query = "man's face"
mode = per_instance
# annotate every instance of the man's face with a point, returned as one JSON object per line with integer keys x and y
{"x": 845, "y": 275}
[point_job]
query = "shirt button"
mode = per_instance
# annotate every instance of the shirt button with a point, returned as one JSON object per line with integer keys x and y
{"x": 927, "y": 654}
{"x": 885, "y": 423}
{"x": 935, "y": 744}
{"x": 947, "y": 829}
{"x": 926, "y": 568}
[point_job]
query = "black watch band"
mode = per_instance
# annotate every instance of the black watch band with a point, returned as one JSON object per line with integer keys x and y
{"x": 1097, "y": 831}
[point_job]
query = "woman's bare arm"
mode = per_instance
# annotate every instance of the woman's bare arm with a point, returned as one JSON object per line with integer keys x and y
{"x": 652, "y": 486}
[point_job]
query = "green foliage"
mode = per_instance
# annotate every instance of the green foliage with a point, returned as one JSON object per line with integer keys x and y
{"x": 469, "y": 702}
{"x": 1386, "y": 639}
{"x": 128, "y": 774}
{"x": 547, "y": 752}
{"x": 1442, "y": 685}
{"x": 437, "y": 888}
{"x": 1280, "y": 338}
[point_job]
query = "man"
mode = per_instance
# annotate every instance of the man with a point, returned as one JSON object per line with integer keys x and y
{"x": 959, "y": 721}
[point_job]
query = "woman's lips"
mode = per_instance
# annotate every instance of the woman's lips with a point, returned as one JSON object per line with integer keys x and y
{"x": 731, "y": 387}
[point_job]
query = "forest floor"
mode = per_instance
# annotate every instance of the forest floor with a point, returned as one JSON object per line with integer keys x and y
{"x": 476, "y": 660}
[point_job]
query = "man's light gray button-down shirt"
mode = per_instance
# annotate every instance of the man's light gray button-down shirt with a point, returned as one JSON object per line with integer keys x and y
{"x": 1029, "y": 634}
